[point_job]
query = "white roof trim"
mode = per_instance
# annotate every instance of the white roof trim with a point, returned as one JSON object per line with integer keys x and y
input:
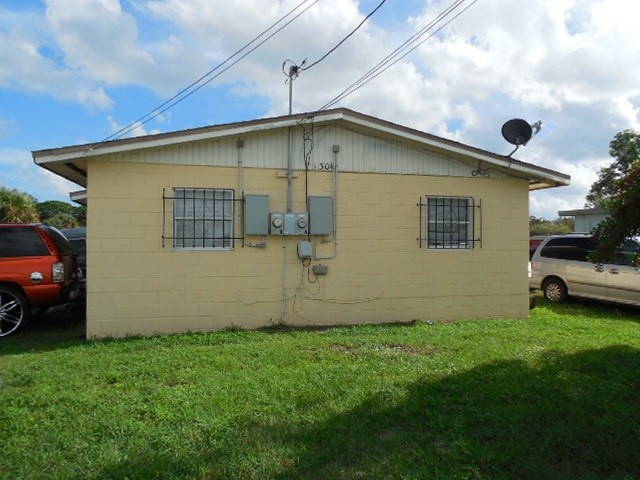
{"x": 540, "y": 177}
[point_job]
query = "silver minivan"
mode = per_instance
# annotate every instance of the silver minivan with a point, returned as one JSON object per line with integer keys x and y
{"x": 560, "y": 268}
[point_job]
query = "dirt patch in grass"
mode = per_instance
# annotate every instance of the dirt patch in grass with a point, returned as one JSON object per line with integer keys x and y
{"x": 383, "y": 348}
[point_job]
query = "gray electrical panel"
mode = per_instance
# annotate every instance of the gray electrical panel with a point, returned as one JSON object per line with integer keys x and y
{"x": 320, "y": 215}
{"x": 256, "y": 214}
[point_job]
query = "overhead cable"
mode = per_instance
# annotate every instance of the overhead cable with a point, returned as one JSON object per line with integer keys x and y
{"x": 208, "y": 77}
{"x": 345, "y": 38}
{"x": 403, "y": 50}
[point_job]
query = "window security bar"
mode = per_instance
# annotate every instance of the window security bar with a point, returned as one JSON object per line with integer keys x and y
{"x": 450, "y": 223}
{"x": 202, "y": 218}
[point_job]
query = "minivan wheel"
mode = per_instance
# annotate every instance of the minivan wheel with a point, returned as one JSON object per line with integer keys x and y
{"x": 14, "y": 310}
{"x": 554, "y": 290}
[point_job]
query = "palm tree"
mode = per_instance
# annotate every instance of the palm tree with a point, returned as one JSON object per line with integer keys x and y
{"x": 17, "y": 207}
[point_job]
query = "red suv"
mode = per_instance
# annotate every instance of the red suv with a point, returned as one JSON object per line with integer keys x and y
{"x": 38, "y": 269}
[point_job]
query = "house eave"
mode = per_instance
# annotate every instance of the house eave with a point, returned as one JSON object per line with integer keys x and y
{"x": 70, "y": 162}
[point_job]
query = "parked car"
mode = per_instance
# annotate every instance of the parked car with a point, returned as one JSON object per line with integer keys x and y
{"x": 534, "y": 242}
{"x": 560, "y": 267}
{"x": 38, "y": 269}
{"x": 78, "y": 239}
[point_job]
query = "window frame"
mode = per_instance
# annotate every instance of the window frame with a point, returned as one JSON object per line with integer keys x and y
{"x": 447, "y": 204}
{"x": 202, "y": 216}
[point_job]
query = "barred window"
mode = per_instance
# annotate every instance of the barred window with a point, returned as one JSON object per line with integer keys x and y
{"x": 450, "y": 222}
{"x": 202, "y": 218}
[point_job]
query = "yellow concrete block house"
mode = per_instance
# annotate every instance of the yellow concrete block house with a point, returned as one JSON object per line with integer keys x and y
{"x": 329, "y": 218}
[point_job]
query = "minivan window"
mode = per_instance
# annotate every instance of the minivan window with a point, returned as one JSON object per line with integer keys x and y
{"x": 569, "y": 248}
{"x": 626, "y": 255}
{"x": 21, "y": 242}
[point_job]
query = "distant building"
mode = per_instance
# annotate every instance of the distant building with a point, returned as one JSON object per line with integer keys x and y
{"x": 585, "y": 219}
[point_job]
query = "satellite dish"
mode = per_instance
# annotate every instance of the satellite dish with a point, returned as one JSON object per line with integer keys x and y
{"x": 517, "y": 131}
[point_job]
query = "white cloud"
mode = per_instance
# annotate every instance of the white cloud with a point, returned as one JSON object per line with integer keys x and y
{"x": 18, "y": 171}
{"x": 102, "y": 40}
{"x": 28, "y": 62}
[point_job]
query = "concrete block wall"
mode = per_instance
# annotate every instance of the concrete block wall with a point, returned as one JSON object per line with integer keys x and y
{"x": 379, "y": 273}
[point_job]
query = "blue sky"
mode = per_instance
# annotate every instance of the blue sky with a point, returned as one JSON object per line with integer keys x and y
{"x": 76, "y": 71}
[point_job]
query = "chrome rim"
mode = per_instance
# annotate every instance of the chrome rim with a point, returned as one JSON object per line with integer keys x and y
{"x": 554, "y": 292}
{"x": 11, "y": 313}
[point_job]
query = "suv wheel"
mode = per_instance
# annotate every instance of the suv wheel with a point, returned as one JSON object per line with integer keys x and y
{"x": 554, "y": 290}
{"x": 14, "y": 310}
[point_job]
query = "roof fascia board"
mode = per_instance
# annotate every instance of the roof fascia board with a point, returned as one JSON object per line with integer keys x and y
{"x": 151, "y": 141}
{"x": 173, "y": 138}
{"x": 422, "y": 139}
{"x": 164, "y": 140}
{"x": 87, "y": 151}
{"x": 506, "y": 163}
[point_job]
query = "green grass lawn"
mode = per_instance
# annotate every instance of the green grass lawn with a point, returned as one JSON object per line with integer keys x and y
{"x": 554, "y": 396}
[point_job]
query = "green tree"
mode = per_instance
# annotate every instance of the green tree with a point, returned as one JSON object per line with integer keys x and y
{"x": 618, "y": 190}
{"x": 63, "y": 220}
{"x": 625, "y": 148}
{"x": 17, "y": 207}
{"x": 80, "y": 214}
{"x": 540, "y": 226}
{"x": 53, "y": 208}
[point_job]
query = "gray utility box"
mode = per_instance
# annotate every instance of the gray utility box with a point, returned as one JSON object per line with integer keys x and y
{"x": 320, "y": 215}
{"x": 256, "y": 214}
{"x": 305, "y": 250}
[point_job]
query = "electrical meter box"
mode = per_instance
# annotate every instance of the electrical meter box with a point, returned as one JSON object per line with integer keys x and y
{"x": 276, "y": 223}
{"x": 320, "y": 215}
{"x": 296, "y": 224}
{"x": 288, "y": 223}
{"x": 256, "y": 214}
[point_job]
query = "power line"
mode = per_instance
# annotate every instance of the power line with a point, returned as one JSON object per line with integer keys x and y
{"x": 398, "y": 51}
{"x": 201, "y": 82}
{"x": 345, "y": 38}
{"x": 402, "y": 51}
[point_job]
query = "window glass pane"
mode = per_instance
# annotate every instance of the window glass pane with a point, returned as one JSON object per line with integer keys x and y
{"x": 569, "y": 248}
{"x": 203, "y": 218}
{"x": 449, "y": 222}
{"x": 21, "y": 242}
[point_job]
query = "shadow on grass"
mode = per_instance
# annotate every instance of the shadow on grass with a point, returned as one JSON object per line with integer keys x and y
{"x": 54, "y": 329}
{"x": 567, "y": 417}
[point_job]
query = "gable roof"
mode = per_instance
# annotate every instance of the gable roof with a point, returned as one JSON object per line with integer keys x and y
{"x": 71, "y": 162}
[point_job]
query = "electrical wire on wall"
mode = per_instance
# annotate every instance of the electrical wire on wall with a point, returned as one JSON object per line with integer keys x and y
{"x": 307, "y": 294}
{"x": 305, "y": 265}
{"x": 307, "y": 149}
